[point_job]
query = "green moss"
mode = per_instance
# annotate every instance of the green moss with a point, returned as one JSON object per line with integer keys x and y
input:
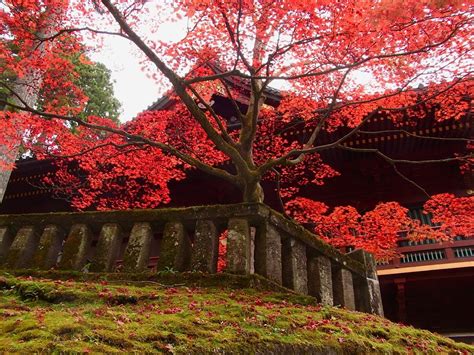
{"x": 148, "y": 317}
{"x": 132, "y": 255}
{"x": 38, "y": 291}
{"x": 73, "y": 250}
{"x": 175, "y": 248}
{"x": 12, "y": 258}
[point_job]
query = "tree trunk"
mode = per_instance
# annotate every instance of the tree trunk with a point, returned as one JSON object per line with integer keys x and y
{"x": 27, "y": 88}
{"x": 253, "y": 192}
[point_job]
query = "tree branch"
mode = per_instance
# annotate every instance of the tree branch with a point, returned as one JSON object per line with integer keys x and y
{"x": 416, "y": 135}
{"x": 283, "y": 160}
{"x": 200, "y": 79}
{"x": 138, "y": 138}
{"x": 180, "y": 89}
{"x": 403, "y": 161}
{"x": 214, "y": 115}
{"x": 358, "y": 63}
{"x": 96, "y": 147}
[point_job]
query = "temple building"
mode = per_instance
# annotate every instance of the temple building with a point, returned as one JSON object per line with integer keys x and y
{"x": 431, "y": 284}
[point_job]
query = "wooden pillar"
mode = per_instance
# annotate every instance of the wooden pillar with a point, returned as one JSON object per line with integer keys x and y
{"x": 206, "y": 247}
{"x": 137, "y": 253}
{"x": 268, "y": 261}
{"x": 295, "y": 274}
{"x": 175, "y": 248}
{"x": 401, "y": 300}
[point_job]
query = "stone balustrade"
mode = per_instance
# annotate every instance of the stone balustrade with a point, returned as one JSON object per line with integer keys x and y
{"x": 259, "y": 240}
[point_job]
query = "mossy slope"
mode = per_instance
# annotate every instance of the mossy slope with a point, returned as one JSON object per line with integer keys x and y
{"x": 45, "y": 315}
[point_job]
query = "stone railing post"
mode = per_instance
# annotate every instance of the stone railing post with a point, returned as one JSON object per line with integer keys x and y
{"x": 367, "y": 289}
{"x": 238, "y": 247}
{"x": 51, "y": 240}
{"x": 108, "y": 248}
{"x": 76, "y": 248}
{"x": 175, "y": 248}
{"x": 343, "y": 287}
{"x": 295, "y": 274}
{"x": 22, "y": 248}
{"x": 206, "y": 247}
{"x": 268, "y": 261}
{"x": 137, "y": 252}
{"x": 6, "y": 240}
{"x": 320, "y": 279}
{"x": 259, "y": 239}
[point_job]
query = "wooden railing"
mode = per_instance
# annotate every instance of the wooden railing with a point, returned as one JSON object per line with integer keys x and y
{"x": 259, "y": 241}
{"x": 431, "y": 252}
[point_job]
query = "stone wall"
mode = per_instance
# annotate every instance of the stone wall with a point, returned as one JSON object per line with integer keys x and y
{"x": 260, "y": 241}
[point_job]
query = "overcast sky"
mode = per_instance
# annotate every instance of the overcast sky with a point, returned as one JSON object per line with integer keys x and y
{"x": 132, "y": 86}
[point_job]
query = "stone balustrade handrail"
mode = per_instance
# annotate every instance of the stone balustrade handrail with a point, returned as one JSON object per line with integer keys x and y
{"x": 259, "y": 240}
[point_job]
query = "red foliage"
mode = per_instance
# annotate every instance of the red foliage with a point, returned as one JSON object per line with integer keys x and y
{"x": 455, "y": 215}
{"x": 222, "y": 258}
{"x": 378, "y": 231}
{"x": 321, "y": 49}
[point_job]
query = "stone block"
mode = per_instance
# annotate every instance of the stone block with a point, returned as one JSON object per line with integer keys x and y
{"x": 6, "y": 240}
{"x": 367, "y": 260}
{"x": 175, "y": 248}
{"x": 238, "y": 247}
{"x": 137, "y": 253}
{"x": 320, "y": 279}
{"x": 108, "y": 248}
{"x": 23, "y": 247}
{"x": 367, "y": 289}
{"x": 367, "y": 295}
{"x": 50, "y": 245}
{"x": 343, "y": 288}
{"x": 295, "y": 273}
{"x": 206, "y": 247}
{"x": 76, "y": 248}
{"x": 375, "y": 297}
{"x": 268, "y": 261}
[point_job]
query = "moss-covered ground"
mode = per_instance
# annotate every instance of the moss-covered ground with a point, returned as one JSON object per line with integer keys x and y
{"x": 45, "y": 315}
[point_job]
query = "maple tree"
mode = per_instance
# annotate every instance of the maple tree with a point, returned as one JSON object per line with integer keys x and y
{"x": 318, "y": 49}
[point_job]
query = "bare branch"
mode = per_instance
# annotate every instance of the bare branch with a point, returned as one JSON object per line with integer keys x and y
{"x": 217, "y": 119}
{"x": 283, "y": 160}
{"x": 211, "y": 77}
{"x": 393, "y": 163}
{"x": 96, "y": 147}
{"x": 406, "y": 178}
{"x": 458, "y": 139}
{"x": 278, "y": 183}
{"x": 231, "y": 98}
{"x": 403, "y": 161}
{"x": 79, "y": 29}
{"x": 330, "y": 109}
